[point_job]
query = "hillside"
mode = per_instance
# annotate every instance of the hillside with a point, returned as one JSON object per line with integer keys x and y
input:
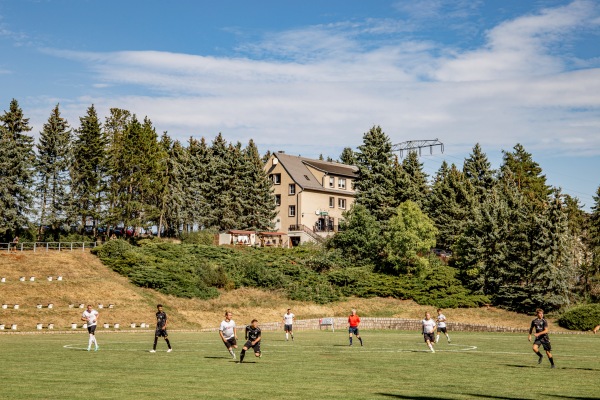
{"x": 87, "y": 280}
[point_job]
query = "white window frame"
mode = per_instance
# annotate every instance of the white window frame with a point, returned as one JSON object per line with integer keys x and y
{"x": 331, "y": 202}
{"x": 277, "y": 199}
{"x": 331, "y": 182}
{"x": 292, "y": 189}
{"x": 291, "y": 211}
{"x": 342, "y": 183}
{"x": 276, "y": 178}
{"x": 341, "y": 203}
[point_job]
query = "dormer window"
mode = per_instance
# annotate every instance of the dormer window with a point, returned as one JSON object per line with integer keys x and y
{"x": 331, "y": 182}
{"x": 341, "y": 183}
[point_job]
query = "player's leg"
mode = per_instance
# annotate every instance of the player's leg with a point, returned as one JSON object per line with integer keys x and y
{"x": 358, "y": 336}
{"x": 168, "y": 343}
{"x": 257, "y": 352}
{"x": 536, "y": 350}
{"x": 156, "y": 334}
{"x": 350, "y": 335}
{"x": 447, "y": 335}
{"x": 291, "y": 333}
{"x": 243, "y": 353}
{"x": 428, "y": 340}
{"x": 286, "y": 333}
{"x": 548, "y": 349}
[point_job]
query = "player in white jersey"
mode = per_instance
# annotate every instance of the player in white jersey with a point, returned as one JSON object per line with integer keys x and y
{"x": 228, "y": 333}
{"x": 441, "y": 326}
{"x": 428, "y": 331}
{"x": 288, "y": 320}
{"x": 90, "y": 316}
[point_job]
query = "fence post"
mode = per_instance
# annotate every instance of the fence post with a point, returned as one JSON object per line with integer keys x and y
{"x": 58, "y": 246}
{"x": 71, "y": 246}
{"x": 34, "y": 244}
{"x": 82, "y": 246}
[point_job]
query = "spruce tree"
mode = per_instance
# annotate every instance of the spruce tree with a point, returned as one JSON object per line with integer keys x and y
{"x": 259, "y": 205}
{"x": 527, "y": 174}
{"x": 375, "y": 183}
{"x": 17, "y": 160}
{"x": 592, "y": 281}
{"x": 52, "y": 166}
{"x": 416, "y": 188}
{"x": 450, "y": 204}
{"x": 222, "y": 180}
{"x": 88, "y": 171}
{"x": 348, "y": 157}
{"x": 477, "y": 169}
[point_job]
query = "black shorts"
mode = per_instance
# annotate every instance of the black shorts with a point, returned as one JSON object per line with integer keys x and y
{"x": 256, "y": 347}
{"x": 161, "y": 332}
{"x": 544, "y": 341}
{"x": 287, "y": 328}
{"x": 229, "y": 343}
{"x": 443, "y": 330}
{"x": 353, "y": 329}
{"x": 428, "y": 336}
{"x": 92, "y": 329}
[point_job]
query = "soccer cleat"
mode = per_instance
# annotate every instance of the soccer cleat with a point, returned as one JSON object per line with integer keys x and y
{"x": 552, "y": 366}
{"x": 448, "y": 340}
{"x": 96, "y": 349}
{"x": 170, "y": 350}
{"x": 432, "y": 350}
{"x": 540, "y": 359}
{"x": 152, "y": 351}
{"x": 233, "y": 356}
{"x": 89, "y": 348}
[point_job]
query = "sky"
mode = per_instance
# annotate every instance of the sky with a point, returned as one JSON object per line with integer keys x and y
{"x": 312, "y": 77}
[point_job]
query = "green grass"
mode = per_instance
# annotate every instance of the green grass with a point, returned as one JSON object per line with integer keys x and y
{"x": 318, "y": 365}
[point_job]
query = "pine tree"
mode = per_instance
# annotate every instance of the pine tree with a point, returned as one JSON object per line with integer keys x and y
{"x": 53, "y": 164}
{"x": 259, "y": 211}
{"x": 16, "y": 179}
{"x": 375, "y": 183}
{"x": 88, "y": 170}
{"x": 197, "y": 188}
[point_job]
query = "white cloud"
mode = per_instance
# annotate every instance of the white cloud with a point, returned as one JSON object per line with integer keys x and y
{"x": 321, "y": 87}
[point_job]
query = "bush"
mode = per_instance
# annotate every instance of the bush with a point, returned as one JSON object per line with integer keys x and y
{"x": 204, "y": 237}
{"x": 582, "y": 318}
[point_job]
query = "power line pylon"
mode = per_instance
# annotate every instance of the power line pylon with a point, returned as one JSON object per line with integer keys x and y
{"x": 417, "y": 145}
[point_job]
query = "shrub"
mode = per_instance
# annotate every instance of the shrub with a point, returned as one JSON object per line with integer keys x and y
{"x": 581, "y": 318}
{"x": 205, "y": 237}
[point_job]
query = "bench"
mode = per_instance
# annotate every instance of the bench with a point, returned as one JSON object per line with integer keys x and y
{"x": 40, "y": 326}
{"x": 326, "y": 322}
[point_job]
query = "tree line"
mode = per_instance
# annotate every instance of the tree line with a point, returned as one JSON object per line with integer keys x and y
{"x": 121, "y": 173}
{"x": 512, "y": 237}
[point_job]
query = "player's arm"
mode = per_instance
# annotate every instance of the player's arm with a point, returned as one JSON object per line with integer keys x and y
{"x": 235, "y": 332}
{"x": 83, "y": 318}
{"x": 96, "y": 316}
{"x": 530, "y": 331}
{"x": 257, "y": 340}
{"x": 221, "y": 334}
{"x": 166, "y": 322}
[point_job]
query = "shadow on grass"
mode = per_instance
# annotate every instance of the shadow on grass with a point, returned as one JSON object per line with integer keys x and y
{"x": 216, "y": 357}
{"x": 572, "y": 397}
{"x": 547, "y": 367}
{"x": 401, "y": 396}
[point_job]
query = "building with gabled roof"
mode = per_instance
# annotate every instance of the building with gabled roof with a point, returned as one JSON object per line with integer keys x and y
{"x": 311, "y": 195}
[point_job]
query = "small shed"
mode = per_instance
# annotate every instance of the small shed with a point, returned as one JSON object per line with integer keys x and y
{"x": 237, "y": 237}
{"x": 272, "y": 239}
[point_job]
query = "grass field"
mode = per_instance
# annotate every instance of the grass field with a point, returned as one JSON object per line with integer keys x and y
{"x": 317, "y": 365}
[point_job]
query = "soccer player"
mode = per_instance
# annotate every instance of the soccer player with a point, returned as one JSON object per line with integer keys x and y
{"x": 541, "y": 337}
{"x": 228, "y": 333}
{"x": 91, "y": 317}
{"x": 353, "y": 322}
{"x": 428, "y": 331}
{"x": 161, "y": 328}
{"x": 441, "y": 326}
{"x": 288, "y": 320}
{"x": 252, "y": 340}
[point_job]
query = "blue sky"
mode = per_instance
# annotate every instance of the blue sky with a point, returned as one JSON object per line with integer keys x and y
{"x": 311, "y": 77}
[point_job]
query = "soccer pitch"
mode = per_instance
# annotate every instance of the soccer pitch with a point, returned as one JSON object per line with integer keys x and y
{"x": 317, "y": 365}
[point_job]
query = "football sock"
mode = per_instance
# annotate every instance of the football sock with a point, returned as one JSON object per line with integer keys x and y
{"x": 292, "y": 336}
{"x": 350, "y": 339}
{"x": 242, "y": 354}
{"x": 90, "y": 341}
{"x": 286, "y": 336}
{"x": 360, "y": 339}
{"x": 551, "y": 360}
{"x": 168, "y": 343}
{"x": 539, "y": 354}
{"x": 231, "y": 352}
{"x": 155, "y": 341}
{"x": 437, "y": 338}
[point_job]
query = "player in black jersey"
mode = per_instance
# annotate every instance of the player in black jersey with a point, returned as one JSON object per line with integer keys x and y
{"x": 541, "y": 337}
{"x": 161, "y": 328}
{"x": 252, "y": 340}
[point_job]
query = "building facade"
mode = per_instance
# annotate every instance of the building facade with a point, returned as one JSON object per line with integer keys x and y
{"x": 311, "y": 195}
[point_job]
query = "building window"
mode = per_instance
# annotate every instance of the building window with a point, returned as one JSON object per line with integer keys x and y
{"x": 331, "y": 182}
{"x": 342, "y": 204}
{"x": 341, "y": 183}
{"x": 277, "y": 199}
{"x": 276, "y": 178}
{"x": 332, "y": 202}
{"x": 291, "y": 211}
{"x": 292, "y": 189}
